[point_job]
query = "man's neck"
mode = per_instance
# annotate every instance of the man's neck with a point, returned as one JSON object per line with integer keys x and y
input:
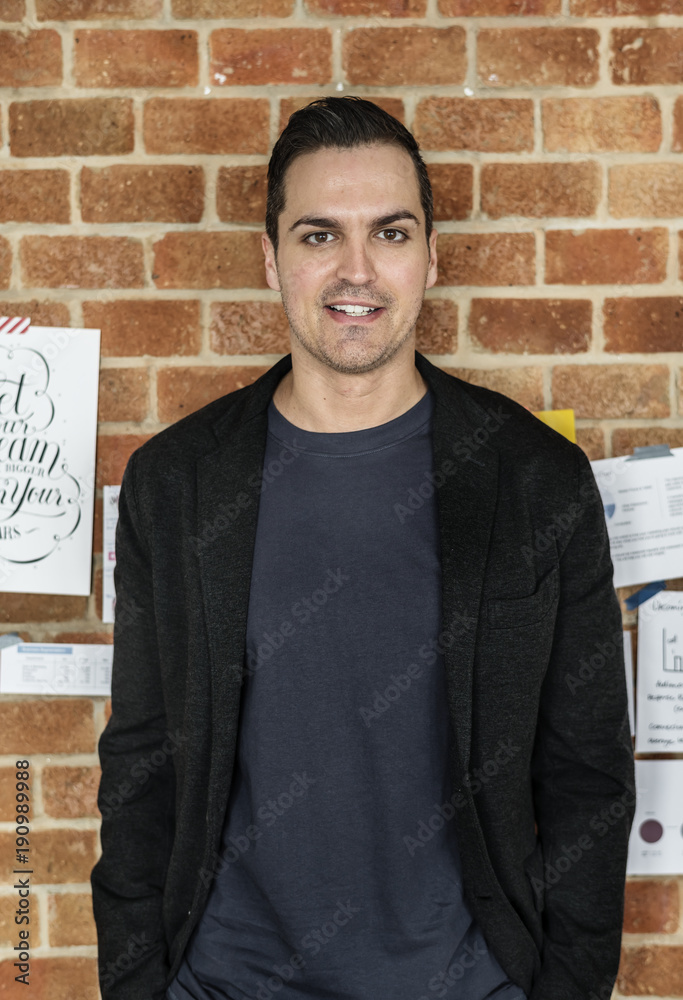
{"x": 327, "y": 401}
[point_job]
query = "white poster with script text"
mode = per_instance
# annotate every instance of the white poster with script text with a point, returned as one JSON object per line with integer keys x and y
{"x": 48, "y": 428}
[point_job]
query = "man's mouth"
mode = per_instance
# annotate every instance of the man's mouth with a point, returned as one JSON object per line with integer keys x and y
{"x": 355, "y": 310}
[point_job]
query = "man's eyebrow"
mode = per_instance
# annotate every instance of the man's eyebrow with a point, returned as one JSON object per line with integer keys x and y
{"x": 325, "y": 223}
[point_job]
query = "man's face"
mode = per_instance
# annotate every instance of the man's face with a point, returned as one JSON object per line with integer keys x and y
{"x": 352, "y": 262}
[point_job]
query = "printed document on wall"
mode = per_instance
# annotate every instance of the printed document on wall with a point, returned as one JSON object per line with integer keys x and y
{"x": 643, "y": 503}
{"x": 659, "y": 684}
{"x": 656, "y": 842}
{"x": 48, "y": 415}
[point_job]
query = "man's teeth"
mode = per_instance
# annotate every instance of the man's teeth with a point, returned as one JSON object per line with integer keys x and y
{"x": 355, "y": 310}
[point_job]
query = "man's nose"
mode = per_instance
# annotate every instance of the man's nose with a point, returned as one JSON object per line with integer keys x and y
{"x": 355, "y": 263}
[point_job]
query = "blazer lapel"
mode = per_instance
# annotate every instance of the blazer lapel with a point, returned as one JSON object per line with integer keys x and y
{"x": 466, "y": 503}
{"x": 228, "y": 489}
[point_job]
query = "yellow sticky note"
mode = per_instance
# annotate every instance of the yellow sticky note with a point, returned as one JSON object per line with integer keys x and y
{"x": 561, "y": 421}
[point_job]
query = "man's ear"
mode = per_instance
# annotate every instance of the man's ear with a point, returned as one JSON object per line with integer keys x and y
{"x": 271, "y": 267}
{"x": 432, "y": 272}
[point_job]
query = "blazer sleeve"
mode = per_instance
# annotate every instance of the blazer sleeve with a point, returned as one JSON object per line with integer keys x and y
{"x": 137, "y": 788}
{"x": 582, "y": 766}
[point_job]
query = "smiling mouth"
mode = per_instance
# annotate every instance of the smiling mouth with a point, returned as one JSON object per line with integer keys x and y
{"x": 355, "y": 310}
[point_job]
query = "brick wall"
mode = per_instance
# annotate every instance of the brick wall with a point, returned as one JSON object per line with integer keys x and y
{"x": 134, "y": 137}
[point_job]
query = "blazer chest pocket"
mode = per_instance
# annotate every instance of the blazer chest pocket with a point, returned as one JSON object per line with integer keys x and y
{"x": 516, "y": 612}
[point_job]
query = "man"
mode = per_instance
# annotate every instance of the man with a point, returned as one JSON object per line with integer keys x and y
{"x": 369, "y": 737}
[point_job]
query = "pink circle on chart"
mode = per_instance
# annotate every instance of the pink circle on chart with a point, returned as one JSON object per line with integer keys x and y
{"x": 651, "y": 831}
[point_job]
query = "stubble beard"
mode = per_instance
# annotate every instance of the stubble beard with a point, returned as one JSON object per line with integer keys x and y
{"x": 347, "y": 362}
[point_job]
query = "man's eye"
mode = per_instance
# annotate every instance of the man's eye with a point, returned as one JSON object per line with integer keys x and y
{"x": 317, "y": 239}
{"x": 394, "y": 236}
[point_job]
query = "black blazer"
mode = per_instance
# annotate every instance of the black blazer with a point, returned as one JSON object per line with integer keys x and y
{"x": 541, "y": 757}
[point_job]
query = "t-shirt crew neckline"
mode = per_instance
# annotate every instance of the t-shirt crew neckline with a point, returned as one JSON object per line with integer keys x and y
{"x": 340, "y": 443}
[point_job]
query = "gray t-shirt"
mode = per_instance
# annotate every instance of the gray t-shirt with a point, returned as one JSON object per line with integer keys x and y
{"x": 341, "y": 876}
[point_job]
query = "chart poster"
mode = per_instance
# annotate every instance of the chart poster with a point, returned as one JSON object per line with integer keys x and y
{"x": 656, "y": 842}
{"x": 659, "y": 726}
{"x": 48, "y": 427}
{"x": 56, "y": 668}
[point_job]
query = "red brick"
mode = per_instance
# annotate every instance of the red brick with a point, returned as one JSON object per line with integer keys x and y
{"x": 288, "y": 105}
{"x": 55, "y": 978}
{"x": 437, "y": 327}
{"x": 34, "y": 196}
{"x": 499, "y": 8}
{"x": 142, "y": 194}
{"x": 82, "y": 262}
{"x": 538, "y": 57}
{"x": 231, "y": 8}
{"x": 124, "y": 394}
{"x": 41, "y": 607}
{"x": 71, "y": 919}
{"x": 69, "y": 792}
{"x": 5, "y": 263}
{"x": 216, "y": 126}
{"x": 390, "y": 57}
{"x": 604, "y": 392}
{"x": 113, "y": 452}
{"x": 654, "y": 189}
{"x": 368, "y": 8}
{"x": 525, "y": 385}
{"x": 30, "y": 58}
{"x": 677, "y": 141}
{"x": 646, "y": 325}
{"x": 132, "y": 328}
{"x": 40, "y": 313}
{"x": 209, "y": 260}
{"x": 490, "y": 126}
{"x": 651, "y": 906}
{"x": 606, "y": 256}
{"x": 540, "y": 189}
{"x": 602, "y": 124}
{"x": 46, "y": 725}
{"x": 241, "y": 194}
{"x": 12, "y": 10}
{"x": 92, "y": 126}
{"x": 531, "y": 326}
{"x": 136, "y": 58}
{"x": 591, "y": 440}
{"x": 96, "y": 10}
{"x": 486, "y": 259}
{"x": 57, "y": 856}
{"x": 259, "y": 56}
{"x": 183, "y": 390}
{"x": 249, "y": 328}
{"x": 452, "y": 190}
{"x": 647, "y": 56}
{"x": 618, "y": 8}
{"x": 652, "y": 970}
{"x": 8, "y": 928}
{"x": 625, "y": 439}
{"x": 98, "y": 638}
